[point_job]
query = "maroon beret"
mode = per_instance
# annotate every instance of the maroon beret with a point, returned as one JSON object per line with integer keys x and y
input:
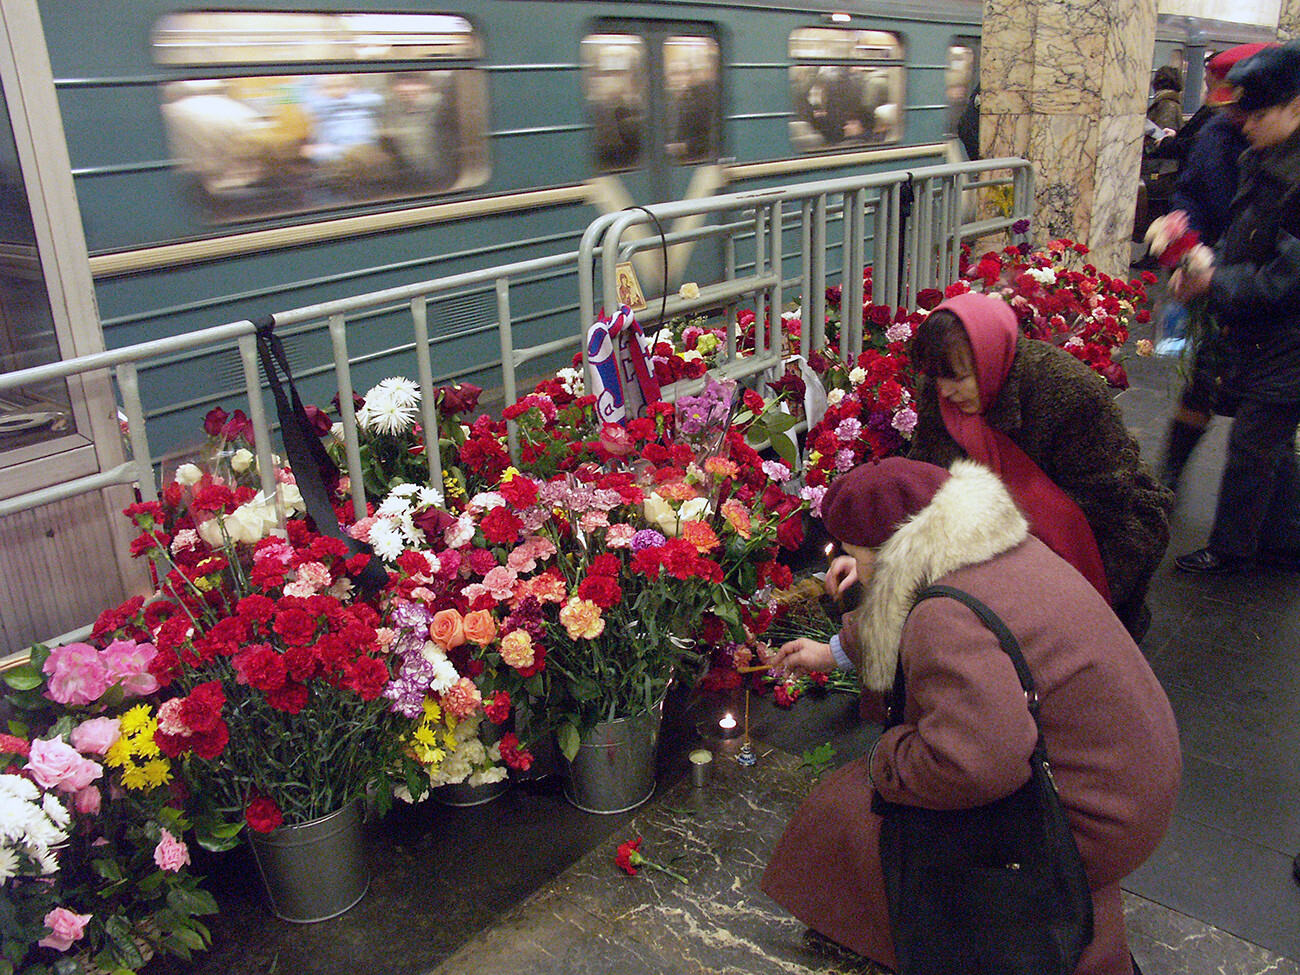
{"x": 866, "y": 505}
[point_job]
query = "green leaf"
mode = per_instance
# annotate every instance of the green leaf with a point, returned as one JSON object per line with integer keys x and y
{"x": 778, "y": 422}
{"x": 24, "y": 678}
{"x": 786, "y": 449}
{"x": 568, "y": 738}
{"x": 108, "y": 869}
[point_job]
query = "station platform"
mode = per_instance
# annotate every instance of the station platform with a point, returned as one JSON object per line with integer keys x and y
{"x": 528, "y": 884}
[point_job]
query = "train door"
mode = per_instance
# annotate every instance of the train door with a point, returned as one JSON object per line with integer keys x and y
{"x": 63, "y": 558}
{"x": 653, "y": 95}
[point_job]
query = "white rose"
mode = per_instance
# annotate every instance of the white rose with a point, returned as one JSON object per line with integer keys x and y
{"x": 249, "y": 524}
{"x": 694, "y": 509}
{"x": 188, "y": 474}
{"x": 292, "y": 498}
{"x": 690, "y": 290}
{"x": 241, "y": 460}
{"x": 210, "y": 531}
{"x": 857, "y": 375}
{"x": 660, "y": 513}
{"x": 834, "y": 396}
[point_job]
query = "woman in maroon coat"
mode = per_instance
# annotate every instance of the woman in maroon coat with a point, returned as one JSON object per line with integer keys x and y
{"x": 967, "y": 735}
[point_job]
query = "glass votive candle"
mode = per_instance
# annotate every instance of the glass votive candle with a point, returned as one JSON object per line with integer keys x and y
{"x": 701, "y": 767}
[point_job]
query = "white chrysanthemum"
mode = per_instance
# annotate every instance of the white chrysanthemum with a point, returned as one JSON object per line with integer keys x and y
{"x": 8, "y": 864}
{"x": 385, "y": 417}
{"x": 405, "y": 490}
{"x": 386, "y": 539}
{"x": 399, "y": 390}
{"x": 58, "y": 814}
{"x": 430, "y": 496}
{"x": 17, "y": 787}
{"x": 394, "y": 505}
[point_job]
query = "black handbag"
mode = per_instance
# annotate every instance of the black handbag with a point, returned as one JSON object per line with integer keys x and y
{"x": 995, "y": 890}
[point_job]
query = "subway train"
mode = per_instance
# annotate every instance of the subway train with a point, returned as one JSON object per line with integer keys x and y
{"x": 215, "y": 165}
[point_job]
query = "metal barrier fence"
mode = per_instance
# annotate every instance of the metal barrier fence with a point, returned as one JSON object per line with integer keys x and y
{"x": 866, "y": 210}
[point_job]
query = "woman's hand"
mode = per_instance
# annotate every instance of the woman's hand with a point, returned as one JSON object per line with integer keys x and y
{"x": 842, "y": 574}
{"x": 802, "y": 655}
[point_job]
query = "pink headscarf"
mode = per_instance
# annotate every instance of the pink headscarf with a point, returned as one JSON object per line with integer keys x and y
{"x": 1053, "y": 516}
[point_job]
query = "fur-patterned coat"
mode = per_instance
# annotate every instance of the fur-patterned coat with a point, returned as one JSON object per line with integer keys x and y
{"x": 966, "y": 733}
{"x": 1063, "y": 416}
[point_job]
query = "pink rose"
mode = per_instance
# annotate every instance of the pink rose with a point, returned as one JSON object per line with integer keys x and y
{"x": 127, "y": 663}
{"x": 77, "y": 674}
{"x": 54, "y": 764}
{"x": 65, "y": 928}
{"x": 171, "y": 853}
{"x": 96, "y": 736}
{"x": 87, "y": 801}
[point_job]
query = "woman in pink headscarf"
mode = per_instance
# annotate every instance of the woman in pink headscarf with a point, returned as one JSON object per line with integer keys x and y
{"x": 1049, "y": 427}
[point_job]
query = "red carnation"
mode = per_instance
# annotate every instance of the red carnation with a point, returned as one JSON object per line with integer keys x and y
{"x": 201, "y": 709}
{"x": 13, "y": 745}
{"x": 367, "y": 677}
{"x": 296, "y": 626}
{"x": 498, "y": 709}
{"x": 290, "y": 697}
{"x": 263, "y": 815}
{"x": 629, "y": 856}
{"x": 261, "y": 667}
{"x": 604, "y": 591}
{"x": 519, "y": 492}
{"x": 520, "y": 759}
{"x": 209, "y": 745}
{"x": 500, "y": 526}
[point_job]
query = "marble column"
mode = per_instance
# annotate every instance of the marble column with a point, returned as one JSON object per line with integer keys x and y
{"x": 1065, "y": 86}
{"x": 1289, "y": 18}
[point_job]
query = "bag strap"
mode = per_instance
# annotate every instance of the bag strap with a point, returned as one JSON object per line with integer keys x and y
{"x": 314, "y": 470}
{"x": 1010, "y": 645}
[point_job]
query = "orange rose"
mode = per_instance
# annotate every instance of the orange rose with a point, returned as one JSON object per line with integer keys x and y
{"x": 480, "y": 627}
{"x": 447, "y": 629}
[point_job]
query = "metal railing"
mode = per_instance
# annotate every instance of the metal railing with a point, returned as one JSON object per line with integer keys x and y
{"x": 907, "y": 255}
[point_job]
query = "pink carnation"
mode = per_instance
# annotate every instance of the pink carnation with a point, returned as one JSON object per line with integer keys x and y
{"x": 462, "y": 699}
{"x": 127, "y": 663}
{"x": 171, "y": 853}
{"x": 619, "y": 536}
{"x": 77, "y": 675}
{"x": 65, "y": 928}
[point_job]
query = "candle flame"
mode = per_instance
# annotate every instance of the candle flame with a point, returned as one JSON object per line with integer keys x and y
{"x": 728, "y": 721}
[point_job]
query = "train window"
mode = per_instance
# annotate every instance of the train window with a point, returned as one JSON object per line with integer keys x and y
{"x": 691, "y": 80}
{"x": 838, "y": 100}
{"x": 252, "y": 147}
{"x": 614, "y": 78}
{"x": 260, "y": 37}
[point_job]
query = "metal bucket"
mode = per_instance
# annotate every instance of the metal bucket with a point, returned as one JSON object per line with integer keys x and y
{"x": 614, "y": 770}
{"x": 464, "y": 794}
{"x": 314, "y": 871}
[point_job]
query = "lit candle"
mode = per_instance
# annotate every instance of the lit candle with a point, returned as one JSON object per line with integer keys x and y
{"x": 728, "y": 723}
{"x": 701, "y": 756}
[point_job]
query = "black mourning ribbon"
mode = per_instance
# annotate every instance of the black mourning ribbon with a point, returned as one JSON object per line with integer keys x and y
{"x": 313, "y": 468}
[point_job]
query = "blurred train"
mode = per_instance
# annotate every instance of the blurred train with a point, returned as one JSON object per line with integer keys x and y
{"x": 212, "y": 165}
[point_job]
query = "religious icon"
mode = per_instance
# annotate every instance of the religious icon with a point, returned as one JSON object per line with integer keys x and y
{"x": 629, "y": 289}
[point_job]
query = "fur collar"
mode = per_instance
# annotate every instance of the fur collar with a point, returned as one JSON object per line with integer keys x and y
{"x": 969, "y": 520}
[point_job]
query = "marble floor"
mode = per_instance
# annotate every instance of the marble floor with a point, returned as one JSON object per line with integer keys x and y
{"x": 528, "y": 884}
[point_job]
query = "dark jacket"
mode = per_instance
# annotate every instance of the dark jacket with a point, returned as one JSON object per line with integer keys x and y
{"x": 966, "y": 733}
{"x": 1207, "y": 180}
{"x": 1256, "y": 283}
{"x": 1062, "y": 414}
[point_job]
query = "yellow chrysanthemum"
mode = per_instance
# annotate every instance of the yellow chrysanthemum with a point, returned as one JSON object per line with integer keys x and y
{"x": 135, "y": 719}
{"x": 157, "y": 771}
{"x": 424, "y": 735}
{"x": 133, "y": 777}
{"x": 119, "y": 753}
{"x": 143, "y": 744}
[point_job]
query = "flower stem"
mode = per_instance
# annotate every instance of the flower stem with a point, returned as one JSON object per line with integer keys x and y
{"x": 668, "y": 870}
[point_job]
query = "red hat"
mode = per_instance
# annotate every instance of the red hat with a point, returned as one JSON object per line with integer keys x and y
{"x": 1220, "y": 92}
{"x": 866, "y": 505}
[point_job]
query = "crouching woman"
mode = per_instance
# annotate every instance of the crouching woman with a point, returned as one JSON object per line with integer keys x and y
{"x": 967, "y": 734}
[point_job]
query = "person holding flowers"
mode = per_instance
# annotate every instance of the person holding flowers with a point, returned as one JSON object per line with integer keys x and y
{"x": 1048, "y": 426}
{"x": 1253, "y": 284}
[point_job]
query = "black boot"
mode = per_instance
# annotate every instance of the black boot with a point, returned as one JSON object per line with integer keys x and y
{"x": 1180, "y": 441}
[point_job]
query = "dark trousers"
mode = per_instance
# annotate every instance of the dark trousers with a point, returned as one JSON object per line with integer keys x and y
{"x": 1259, "y": 497}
